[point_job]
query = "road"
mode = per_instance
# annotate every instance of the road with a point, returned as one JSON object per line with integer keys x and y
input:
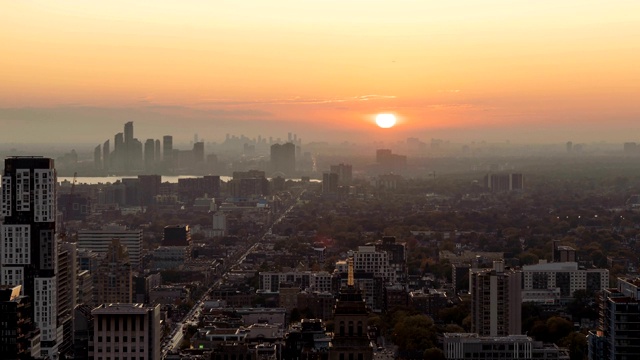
{"x": 193, "y": 315}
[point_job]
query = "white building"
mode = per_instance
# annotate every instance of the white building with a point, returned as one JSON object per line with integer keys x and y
{"x": 219, "y": 224}
{"x": 368, "y": 260}
{"x": 565, "y": 276}
{"x": 99, "y": 241}
{"x": 464, "y": 346}
{"x": 318, "y": 281}
{"x": 126, "y": 331}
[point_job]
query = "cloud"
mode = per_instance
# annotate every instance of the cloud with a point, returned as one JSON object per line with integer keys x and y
{"x": 294, "y": 100}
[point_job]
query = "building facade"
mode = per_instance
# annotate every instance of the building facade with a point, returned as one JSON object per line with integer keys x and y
{"x": 496, "y": 303}
{"x": 130, "y": 331}
{"x": 28, "y": 240}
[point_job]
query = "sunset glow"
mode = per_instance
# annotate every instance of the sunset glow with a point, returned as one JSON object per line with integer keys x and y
{"x": 450, "y": 69}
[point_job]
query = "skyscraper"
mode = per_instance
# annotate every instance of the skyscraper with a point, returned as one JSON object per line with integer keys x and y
{"x": 496, "y": 301}
{"x": 149, "y": 154}
{"x": 283, "y": 158}
{"x": 28, "y": 241}
{"x": 106, "y": 155}
{"x": 167, "y": 150}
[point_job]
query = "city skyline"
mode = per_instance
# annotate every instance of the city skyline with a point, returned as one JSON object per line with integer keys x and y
{"x": 527, "y": 72}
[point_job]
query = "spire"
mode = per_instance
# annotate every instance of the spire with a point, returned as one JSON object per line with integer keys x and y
{"x": 350, "y": 279}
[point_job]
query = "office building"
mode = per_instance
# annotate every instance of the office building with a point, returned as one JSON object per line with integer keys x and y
{"x": 618, "y": 333}
{"x": 469, "y": 346}
{"x": 126, "y": 331}
{"x": 496, "y": 303}
{"x": 283, "y": 159}
{"x": 114, "y": 279}
{"x": 198, "y": 152}
{"x": 565, "y": 276}
{"x": 28, "y": 241}
{"x": 100, "y": 240}
{"x": 562, "y": 253}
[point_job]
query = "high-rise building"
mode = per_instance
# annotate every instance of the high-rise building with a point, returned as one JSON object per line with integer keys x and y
{"x": 198, "y": 152}
{"x": 283, "y": 158}
{"x": 167, "y": 150}
{"x": 113, "y": 281}
{"x": 158, "y": 151}
{"x": 106, "y": 156}
{"x": 149, "y": 154}
{"x": 100, "y": 240}
{"x": 67, "y": 295}
{"x": 496, "y": 302}
{"x": 126, "y": 331}
{"x": 345, "y": 173}
{"x": 19, "y": 337}
{"x": 350, "y": 338}
{"x": 97, "y": 157}
{"x": 618, "y": 333}
{"x": 119, "y": 152}
{"x": 28, "y": 241}
{"x": 330, "y": 183}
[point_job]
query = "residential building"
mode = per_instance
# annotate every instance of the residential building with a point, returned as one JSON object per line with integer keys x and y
{"x": 618, "y": 333}
{"x": 566, "y": 276}
{"x": 28, "y": 240}
{"x": 496, "y": 303}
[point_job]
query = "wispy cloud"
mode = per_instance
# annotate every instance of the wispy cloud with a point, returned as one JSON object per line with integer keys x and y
{"x": 294, "y": 100}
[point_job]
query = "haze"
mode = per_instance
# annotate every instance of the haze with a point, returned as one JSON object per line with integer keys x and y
{"x": 463, "y": 71}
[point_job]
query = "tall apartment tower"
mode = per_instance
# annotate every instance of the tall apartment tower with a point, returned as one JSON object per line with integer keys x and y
{"x": 114, "y": 279}
{"x": 496, "y": 301}
{"x": 618, "y": 334}
{"x": 126, "y": 331}
{"x": 28, "y": 241}
{"x": 350, "y": 338}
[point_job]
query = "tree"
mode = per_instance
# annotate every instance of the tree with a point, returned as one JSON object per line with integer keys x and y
{"x": 434, "y": 353}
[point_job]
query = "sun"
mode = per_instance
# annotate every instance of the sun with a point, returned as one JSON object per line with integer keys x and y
{"x": 385, "y": 121}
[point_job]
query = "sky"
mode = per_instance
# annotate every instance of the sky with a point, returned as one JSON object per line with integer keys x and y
{"x": 464, "y": 70}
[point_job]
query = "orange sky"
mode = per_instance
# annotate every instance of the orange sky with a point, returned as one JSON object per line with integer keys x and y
{"x": 439, "y": 65}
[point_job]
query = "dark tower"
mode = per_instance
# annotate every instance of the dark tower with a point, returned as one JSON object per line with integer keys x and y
{"x": 350, "y": 338}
